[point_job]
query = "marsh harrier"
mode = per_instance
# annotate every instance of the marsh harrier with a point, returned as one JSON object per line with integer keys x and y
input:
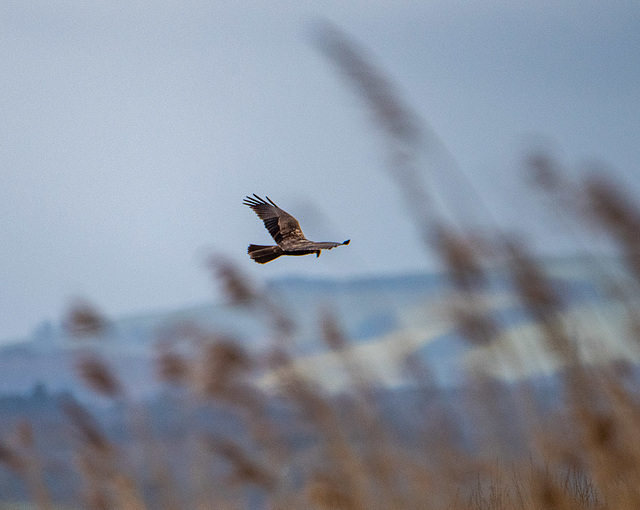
{"x": 285, "y": 231}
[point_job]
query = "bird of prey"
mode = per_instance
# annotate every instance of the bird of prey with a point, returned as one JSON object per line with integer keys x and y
{"x": 285, "y": 231}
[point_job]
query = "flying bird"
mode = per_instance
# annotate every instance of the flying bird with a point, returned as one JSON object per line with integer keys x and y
{"x": 285, "y": 231}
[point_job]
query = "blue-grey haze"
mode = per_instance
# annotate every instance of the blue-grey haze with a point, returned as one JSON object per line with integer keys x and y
{"x": 131, "y": 130}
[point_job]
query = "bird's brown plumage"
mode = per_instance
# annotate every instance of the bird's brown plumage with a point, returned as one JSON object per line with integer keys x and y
{"x": 285, "y": 230}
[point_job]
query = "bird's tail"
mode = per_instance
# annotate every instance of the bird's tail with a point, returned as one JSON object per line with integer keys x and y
{"x": 263, "y": 254}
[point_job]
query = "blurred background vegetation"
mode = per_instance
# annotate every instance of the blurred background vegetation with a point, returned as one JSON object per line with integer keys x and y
{"x": 543, "y": 413}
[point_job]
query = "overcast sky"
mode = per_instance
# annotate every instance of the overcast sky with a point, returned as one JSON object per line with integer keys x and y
{"x": 131, "y": 131}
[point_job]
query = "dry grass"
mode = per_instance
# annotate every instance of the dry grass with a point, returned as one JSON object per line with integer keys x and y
{"x": 325, "y": 452}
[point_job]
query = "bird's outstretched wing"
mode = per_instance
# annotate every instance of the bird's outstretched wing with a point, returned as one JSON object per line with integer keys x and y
{"x": 281, "y": 225}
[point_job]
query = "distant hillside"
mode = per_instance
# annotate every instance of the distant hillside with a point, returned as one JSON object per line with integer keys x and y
{"x": 386, "y": 319}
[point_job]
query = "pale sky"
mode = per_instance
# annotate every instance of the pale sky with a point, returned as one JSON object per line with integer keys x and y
{"x": 132, "y": 130}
